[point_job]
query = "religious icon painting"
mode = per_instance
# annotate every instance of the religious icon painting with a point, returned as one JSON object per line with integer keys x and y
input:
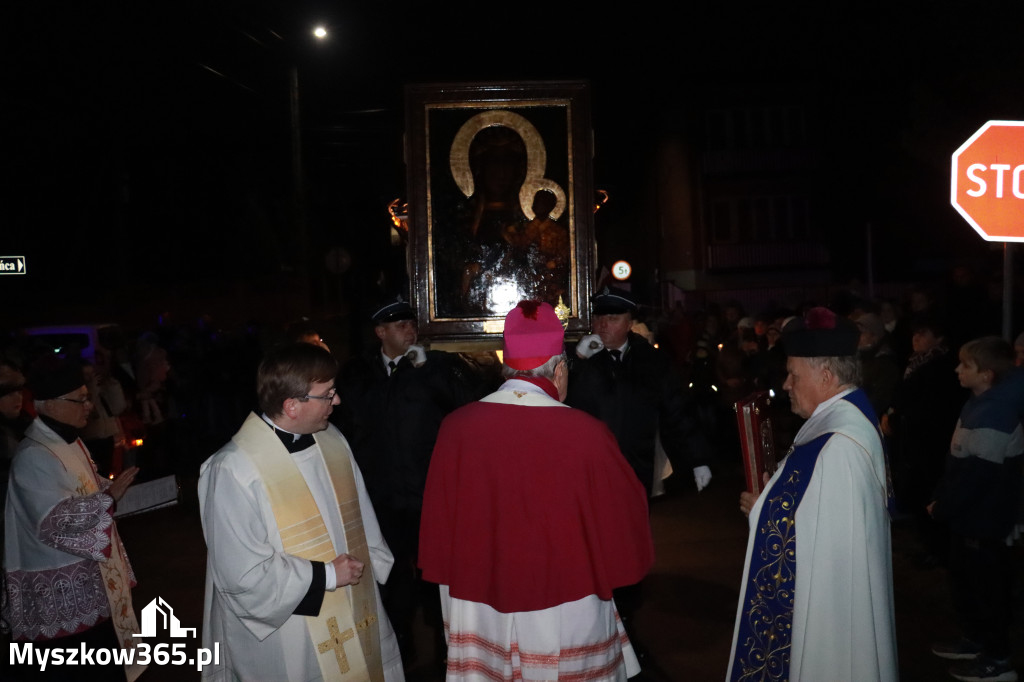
{"x": 500, "y": 183}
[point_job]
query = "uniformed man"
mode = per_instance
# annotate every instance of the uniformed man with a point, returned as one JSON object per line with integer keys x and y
{"x": 393, "y": 401}
{"x": 621, "y": 379}
{"x": 625, "y": 382}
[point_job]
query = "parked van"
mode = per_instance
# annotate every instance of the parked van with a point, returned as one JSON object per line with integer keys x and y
{"x": 76, "y": 339}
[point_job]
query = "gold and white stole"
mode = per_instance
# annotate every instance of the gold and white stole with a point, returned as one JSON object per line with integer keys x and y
{"x": 345, "y": 635}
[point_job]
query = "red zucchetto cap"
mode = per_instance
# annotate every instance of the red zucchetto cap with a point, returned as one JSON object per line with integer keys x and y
{"x": 533, "y": 333}
{"x": 820, "y": 333}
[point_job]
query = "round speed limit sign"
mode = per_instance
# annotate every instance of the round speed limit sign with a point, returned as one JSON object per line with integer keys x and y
{"x": 621, "y": 270}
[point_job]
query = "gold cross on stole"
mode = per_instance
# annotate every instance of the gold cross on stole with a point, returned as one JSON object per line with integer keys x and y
{"x": 337, "y": 642}
{"x": 368, "y": 619}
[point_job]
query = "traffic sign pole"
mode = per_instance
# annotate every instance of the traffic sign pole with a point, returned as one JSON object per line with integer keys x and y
{"x": 1008, "y": 291}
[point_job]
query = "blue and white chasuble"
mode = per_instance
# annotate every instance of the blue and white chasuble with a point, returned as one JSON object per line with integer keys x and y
{"x": 816, "y": 597}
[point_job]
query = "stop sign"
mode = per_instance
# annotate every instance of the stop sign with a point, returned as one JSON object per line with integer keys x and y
{"x": 988, "y": 181}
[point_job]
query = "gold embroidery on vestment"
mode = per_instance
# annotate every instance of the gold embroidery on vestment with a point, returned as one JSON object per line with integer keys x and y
{"x": 336, "y": 642}
{"x": 368, "y": 619}
{"x": 766, "y": 657}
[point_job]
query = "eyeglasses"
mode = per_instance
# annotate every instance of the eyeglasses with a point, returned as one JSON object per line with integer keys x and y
{"x": 77, "y": 401}
{"x": 326, "y": 396}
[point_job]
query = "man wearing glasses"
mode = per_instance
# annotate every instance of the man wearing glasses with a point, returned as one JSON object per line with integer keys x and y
{"x": 294, "y": 548}
{"x": 67, "y": 574}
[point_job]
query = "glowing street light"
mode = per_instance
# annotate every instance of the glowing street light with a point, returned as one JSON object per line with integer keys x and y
{"x": 298, "y": 174}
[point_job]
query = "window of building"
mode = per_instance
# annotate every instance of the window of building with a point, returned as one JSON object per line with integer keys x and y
{"x": 766, "y": 127}
{"x": 751, "y": 219}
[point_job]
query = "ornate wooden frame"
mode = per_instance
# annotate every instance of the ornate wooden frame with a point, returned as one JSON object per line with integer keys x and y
{"x": 551, "y": 151}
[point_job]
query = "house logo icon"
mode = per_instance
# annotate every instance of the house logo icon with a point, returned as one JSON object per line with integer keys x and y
{"x": 160, "y": 612}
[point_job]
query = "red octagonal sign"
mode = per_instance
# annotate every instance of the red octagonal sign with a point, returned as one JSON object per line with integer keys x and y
{"x": 988, "y": 181}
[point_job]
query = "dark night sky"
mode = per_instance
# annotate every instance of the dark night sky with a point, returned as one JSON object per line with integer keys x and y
{"x": 133, "y": 167}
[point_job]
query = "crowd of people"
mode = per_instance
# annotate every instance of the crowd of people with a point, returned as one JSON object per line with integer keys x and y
{"x": 350, "y": 491}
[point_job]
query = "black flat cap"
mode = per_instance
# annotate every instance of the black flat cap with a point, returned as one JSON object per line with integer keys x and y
{"x": 820, "y": 333}
{"x": 52, "y": 377}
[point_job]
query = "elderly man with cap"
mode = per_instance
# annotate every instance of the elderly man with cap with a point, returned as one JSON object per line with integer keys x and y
{"x": 625, "y": 382}
{"x": 816, "y": 601}
{"x": 531, "y": 517}
{"x": 393, "y": 401}
{"x": 68, "y": 577}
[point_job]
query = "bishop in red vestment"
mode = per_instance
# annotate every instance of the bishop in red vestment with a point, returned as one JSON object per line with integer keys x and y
{"x": 531, "y": 517}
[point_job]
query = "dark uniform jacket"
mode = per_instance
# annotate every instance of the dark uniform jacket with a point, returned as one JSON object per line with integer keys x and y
{"x": 635, "y": 397}
{"x": 923, "y": 417}
{"x": 880, "y": 372}
{"x": 391, "y": 422}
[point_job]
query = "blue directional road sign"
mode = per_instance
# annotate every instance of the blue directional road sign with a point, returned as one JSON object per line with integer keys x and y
{"x": 12, "y": 265}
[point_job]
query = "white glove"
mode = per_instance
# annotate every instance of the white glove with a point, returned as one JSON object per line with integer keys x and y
{"x": 417, "y": 356}
{"x": 588, "y": 345}
{"x": 702, "y": 476}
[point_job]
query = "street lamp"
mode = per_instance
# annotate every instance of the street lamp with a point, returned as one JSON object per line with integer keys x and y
{"x": 298, "y": 175}
{"x": 290, "y": 49}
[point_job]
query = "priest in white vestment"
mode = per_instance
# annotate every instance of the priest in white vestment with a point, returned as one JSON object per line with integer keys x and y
{"x": 816, "y": 601}
{"x": 294, "y": 549}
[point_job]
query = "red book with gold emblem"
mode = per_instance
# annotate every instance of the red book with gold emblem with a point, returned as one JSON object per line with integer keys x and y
{"x": 757, "y": 440}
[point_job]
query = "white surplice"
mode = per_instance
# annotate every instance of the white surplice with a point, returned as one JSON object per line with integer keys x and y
{"x": 66, "y": 568}
{"x": 582, "y": 639}
{"x": 253, "y": 587}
